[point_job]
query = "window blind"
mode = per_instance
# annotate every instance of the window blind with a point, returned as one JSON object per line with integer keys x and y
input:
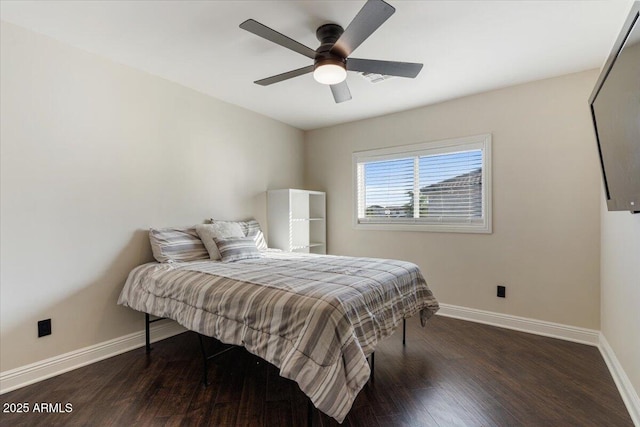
{"x": 388, "y": 187}
{"x": 451, "y": 185}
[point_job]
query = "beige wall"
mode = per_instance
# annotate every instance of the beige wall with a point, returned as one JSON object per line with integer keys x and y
{"x": 93, "y": 153}
{"x": 620, "y": 289}
{"x": 546, "y": 218}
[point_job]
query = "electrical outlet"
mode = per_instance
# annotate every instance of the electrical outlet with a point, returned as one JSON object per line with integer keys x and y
{"x": 502, "y": 291}
{"x": 44, "y": 328}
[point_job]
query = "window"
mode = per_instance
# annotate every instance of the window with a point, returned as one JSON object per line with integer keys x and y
{"x": 434, "y": 186}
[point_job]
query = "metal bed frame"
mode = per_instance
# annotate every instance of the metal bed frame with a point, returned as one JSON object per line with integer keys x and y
{"x": 207, "y": 357}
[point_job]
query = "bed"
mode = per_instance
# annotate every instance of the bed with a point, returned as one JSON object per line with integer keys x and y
{"x": 315, "y": 317}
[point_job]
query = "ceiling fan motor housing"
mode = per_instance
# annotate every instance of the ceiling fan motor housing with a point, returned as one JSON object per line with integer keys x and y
{"x": 328, "y": 35}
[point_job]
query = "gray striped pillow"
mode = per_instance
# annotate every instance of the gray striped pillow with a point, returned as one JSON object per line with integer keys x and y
{"x": 253, "y": 230}
{"x": 237, "y": 248}
{"x": 177, "y": 244}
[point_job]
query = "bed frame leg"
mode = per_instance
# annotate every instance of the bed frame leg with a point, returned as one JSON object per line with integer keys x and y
{"x": 206, "y": 357}
{"x": 404, "y": 332}
{"x": 372, "y": 364}
{"x": 147, "y": 333}
{"x": 147, "y": 330}
{"x": 205, "y": 360}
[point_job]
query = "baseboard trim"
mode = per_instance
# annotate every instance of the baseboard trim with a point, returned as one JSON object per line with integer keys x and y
{"x": 522, "y": 324}
{"x": 38, "y": 371}
{"x": 627, "y": 392}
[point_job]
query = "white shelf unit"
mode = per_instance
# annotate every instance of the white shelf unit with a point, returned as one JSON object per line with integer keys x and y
{"x": 297, "y": 220}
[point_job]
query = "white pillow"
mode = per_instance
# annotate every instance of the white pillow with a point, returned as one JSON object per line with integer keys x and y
{"x": 219, "y": 230}
{"x": 250, "y": 228}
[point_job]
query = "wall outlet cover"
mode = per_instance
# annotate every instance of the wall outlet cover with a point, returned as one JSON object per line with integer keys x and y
{"x": 44, "y": 328}
{"x": 502, "y": 291}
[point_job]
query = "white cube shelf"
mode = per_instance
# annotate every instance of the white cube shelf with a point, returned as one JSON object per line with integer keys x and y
{"x": 297, "y": 220}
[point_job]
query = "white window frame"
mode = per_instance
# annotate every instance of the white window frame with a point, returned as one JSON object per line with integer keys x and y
{"x": 482, "y": 142}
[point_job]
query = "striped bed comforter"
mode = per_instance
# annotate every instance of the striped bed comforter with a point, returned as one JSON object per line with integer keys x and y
{"x": 316, "y": 317}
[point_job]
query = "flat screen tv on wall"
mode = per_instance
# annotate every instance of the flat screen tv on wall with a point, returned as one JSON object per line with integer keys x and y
{"x": 615, "y": 108}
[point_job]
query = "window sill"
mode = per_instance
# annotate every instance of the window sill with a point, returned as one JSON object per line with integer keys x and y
{"x": 437, "y": 228}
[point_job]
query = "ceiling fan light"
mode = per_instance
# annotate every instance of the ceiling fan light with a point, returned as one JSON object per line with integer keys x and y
{"x": 330, "y": 74}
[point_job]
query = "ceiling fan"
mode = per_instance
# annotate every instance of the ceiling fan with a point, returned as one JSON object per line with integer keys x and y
{"x": 331, "y": 59}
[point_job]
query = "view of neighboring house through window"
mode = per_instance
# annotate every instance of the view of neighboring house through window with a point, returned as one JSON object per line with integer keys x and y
{"x": 436, "y": 186}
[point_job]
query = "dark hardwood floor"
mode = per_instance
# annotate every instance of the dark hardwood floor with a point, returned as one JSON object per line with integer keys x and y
{"x": 451, "y": 373}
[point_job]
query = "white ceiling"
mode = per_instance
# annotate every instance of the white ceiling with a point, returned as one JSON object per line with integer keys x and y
{"x": 466, "y": 47}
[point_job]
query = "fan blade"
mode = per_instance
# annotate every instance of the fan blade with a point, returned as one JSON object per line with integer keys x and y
{"x": 371, "y": 16}
{"x": 387, "y": 68}
{"x": 273, "y": 36}
{"x": 341, "y": 92}
{"x": 284, "y": 76}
